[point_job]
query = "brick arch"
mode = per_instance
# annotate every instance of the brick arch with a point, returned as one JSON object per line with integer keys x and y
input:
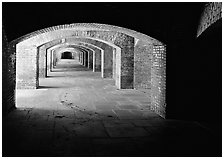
{"x": 107, "y": 72}
{"x": 43, "y": 55}
{"x": 27, "y": 50}
{"x": 51, "y": 60}
{"x": 67, "y": 49}
{"x": 84, "y": 50}
{"x": 93, "y": 48}
{"x": 212, "y": 12}
{"x": 108, "y": 55}
{"x": 134, "y": 46}
{"x": 73, "y": 51}
{"x": 98, "y": 52}
{"x": 90, "y": 26}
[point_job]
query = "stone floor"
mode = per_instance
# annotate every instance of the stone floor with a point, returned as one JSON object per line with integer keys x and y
{"x": 77, "y": 113}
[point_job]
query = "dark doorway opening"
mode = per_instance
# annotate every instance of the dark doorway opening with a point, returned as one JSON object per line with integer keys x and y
{"x": 66, "y": 55}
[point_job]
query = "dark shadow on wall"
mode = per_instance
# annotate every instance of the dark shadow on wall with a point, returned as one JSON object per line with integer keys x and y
{"x": 194, "y": 86}
{"x": 208, "y": 51}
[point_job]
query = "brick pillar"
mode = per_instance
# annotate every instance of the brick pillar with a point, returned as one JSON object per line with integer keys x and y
{"x": 82, "y": 58}
{"x": 158, "y": 80}
{"x": 118, "y": 70}
{"x": 90, "y": 60}
{"x": 107, "y": 63}
{"x": 27, "y": 67}
{"x": 54, "y": 58}
{"x": 125, "y": 62}
{"x": 42, "y": 62}
{"x": 49, "y": 60}
{"x": 86, "y": 59}
{"x": 114, "y": 63}
{"x": 142, "y": 63}
{"x": 102, "y": 64}
{"x": 94, "y": 61}
{"x": 97, "y": 61}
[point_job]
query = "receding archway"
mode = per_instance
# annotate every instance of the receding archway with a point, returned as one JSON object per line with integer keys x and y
{"x": 135, "y": 48}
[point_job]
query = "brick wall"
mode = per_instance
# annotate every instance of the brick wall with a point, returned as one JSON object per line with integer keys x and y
{"x": 26, "y": 67}
{"x": 108, "y": 62}
{"x": 90, "y": 62}
{"x": 211, "y": 13}
{"x": 158, "y": 80}
{"x": 8, "y": 75}
{"x": 126, "y": 43}
{"x": 42, "y": 53}
{"x": 150, "y": 74}
{"x": 115, "y": 38}
{"x": 142, "y": 65}
{"x": 107, "y": 71}
{"x": 97, "y": 61}
{"x": 130, "y": 61}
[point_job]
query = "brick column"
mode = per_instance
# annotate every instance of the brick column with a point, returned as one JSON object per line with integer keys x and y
{"x": 90, "y": 60}
{"x": 125, "y": 62}
{"x": 118, "y": 70}
{"x": 42, "y": 62}
{"x": 97, "y": 61}
{"x": 158, "y": 80}
{"x": 54, "y": 59}
{"x": 114, "y": 64}
{"x": 27, "y": 68}
{"x": 82, "y": 58}
{"x": 86, "y": 59}
{"x": 107, "y": 63}
{"x": 49, "y": 56}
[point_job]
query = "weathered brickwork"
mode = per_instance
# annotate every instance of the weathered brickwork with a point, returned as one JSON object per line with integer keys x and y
{"x": 42, "y": 52}
{"x": 91, "y": 26}
{"x": 26, "y": 67}
{"x": 97, "y": 61}
{"x": 86, "y": 59}
{"x": 76, "y": 43}
{"x": 64, "y": 47}
{"x": 81, "y": 57}
{"x": 107, "y": 56}
{"x": 52, "y": 60}
{"x": 8, "y": 75}
{"x": 158, "y": 80}
{"x": 5, "y": 73}
{"x": 90, "y": 61}
{"x": 114, "y": 63}
{"x": 127, "y": 60}
{"x": 128, "y": 56}
{"x": 42, "y": 62}
{"x": 211, "y": 13}
{"x": 108, "y": 36}
{"x": 142, "y": 65}
{"x": 108, "y": 62}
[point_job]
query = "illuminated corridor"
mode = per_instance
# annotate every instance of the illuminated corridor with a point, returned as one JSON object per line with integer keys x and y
{"x": 77, "y": 113}
{"x": 112, "y": 79}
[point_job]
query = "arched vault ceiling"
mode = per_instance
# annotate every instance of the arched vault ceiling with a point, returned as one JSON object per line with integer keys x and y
{"x": 101, "y": 31}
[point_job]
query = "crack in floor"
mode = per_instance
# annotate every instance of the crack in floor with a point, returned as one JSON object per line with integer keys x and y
{"x": 88, "y": 114}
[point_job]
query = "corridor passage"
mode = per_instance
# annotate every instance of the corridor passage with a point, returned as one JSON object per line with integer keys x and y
{"x": 75, "y": 112}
